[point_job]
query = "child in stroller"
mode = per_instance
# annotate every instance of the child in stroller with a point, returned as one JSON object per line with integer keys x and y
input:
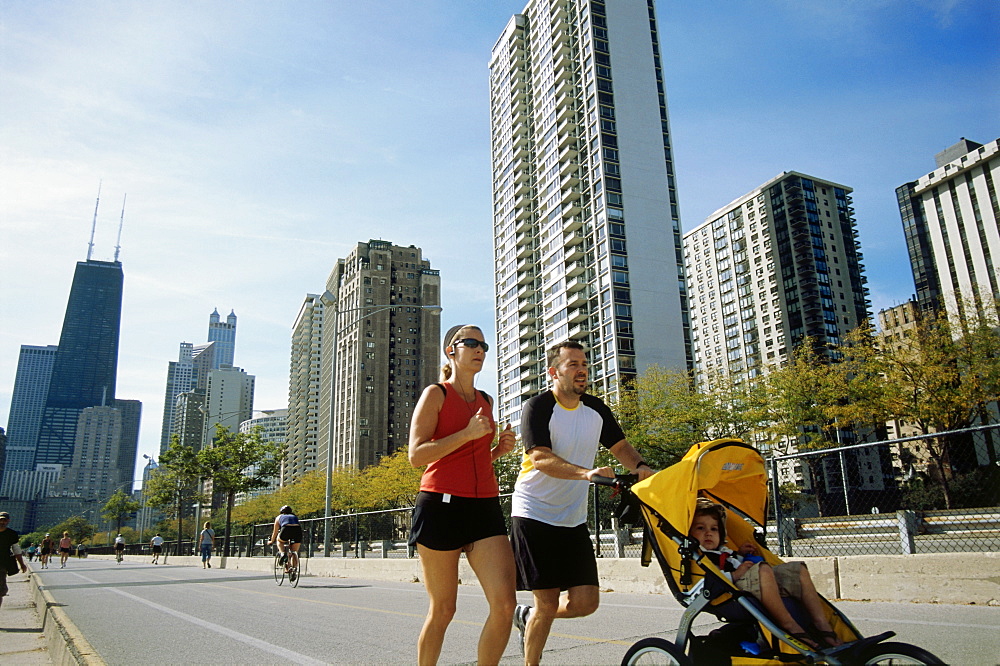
{"x": 752, "y": 574}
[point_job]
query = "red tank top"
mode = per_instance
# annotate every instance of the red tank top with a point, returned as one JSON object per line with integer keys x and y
{"x": 468, "y": 470}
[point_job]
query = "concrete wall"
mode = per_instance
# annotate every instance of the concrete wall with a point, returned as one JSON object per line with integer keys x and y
{"x": 953, "y": 578}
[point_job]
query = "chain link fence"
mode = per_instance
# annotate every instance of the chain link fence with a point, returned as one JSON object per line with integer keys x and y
{"x": 923, "y": 494}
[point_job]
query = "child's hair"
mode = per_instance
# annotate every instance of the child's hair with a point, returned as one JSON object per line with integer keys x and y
{"x": 706, "y": 507}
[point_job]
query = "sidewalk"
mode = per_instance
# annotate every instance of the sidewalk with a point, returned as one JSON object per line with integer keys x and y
{"x": 21, "y": 639}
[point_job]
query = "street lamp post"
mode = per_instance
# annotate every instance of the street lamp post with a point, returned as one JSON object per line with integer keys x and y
{"x": 333, "y": 431}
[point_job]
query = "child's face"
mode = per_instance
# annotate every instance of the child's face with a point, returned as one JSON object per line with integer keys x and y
{"x": 705, "y": 530}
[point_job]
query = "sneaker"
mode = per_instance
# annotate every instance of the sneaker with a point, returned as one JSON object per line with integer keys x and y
{"x": 292, "y": 576}
{"x": 521, "y": 613}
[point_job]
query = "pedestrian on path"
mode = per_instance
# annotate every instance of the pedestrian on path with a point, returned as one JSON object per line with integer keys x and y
{"x": 47, "y": 545}
{"x": 65, "y": 544}
{"x": 10, "y": 554}
{"x": 156, "y": 543}
{"x": 207, "y": 544}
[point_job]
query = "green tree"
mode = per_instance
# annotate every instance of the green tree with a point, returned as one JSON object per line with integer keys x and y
{"x": 174, "y": 483}
{"x": 78, "y": 527}
{"x": 238, "y": 463}
{"x": 939, "y": 377}
{"x": 390, "y": 484}
{"x": 119, "y": 507}
{"x": 664, "y": 412}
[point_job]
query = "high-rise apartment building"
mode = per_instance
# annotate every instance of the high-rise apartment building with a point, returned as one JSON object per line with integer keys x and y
{"x": 31, "y": 388}
{"x": 273, "y": 426}
{"x": 768, "y": 270}
{"x": 951, "y": 220}
{"x": 304, "y": 390}
{"x": 85, "y": 368}
{"x": 228, "y": 401}
{"x": 587, "y": 240}
{"x": 382, "y": 325}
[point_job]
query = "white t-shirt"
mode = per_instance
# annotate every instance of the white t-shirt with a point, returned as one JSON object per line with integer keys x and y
{"x": 573, "y": 435}
{"x": 157, "y": 541}
{"x": 119, "y": 539}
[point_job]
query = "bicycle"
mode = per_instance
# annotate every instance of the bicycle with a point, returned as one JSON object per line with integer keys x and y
{"x": 292, "y": 570}
{"x": 119, "y": 555}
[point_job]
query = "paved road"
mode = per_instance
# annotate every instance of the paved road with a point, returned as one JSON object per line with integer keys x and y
{"x": 138, "y": 613}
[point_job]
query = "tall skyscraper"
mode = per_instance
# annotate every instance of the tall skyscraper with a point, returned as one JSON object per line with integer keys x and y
{"x": 386, "y": 340}
{"x": 585, "y": 215}
{"x": 772, "y": 267}
{"x": 31, "y": 389}
{"x": 304, "y": 390}
{"x": 951, "y": 220}
{"x": 223, "y": 334}
{"x": 86, "y": 363}
{"x": 190, "y": 370}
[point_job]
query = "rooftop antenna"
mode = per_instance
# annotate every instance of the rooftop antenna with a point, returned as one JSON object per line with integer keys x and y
{"x": 93, "y": 227}
{"x": 118, "y": 245}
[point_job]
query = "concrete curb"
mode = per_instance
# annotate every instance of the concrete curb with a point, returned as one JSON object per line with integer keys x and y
{"x": 65, "y": 643}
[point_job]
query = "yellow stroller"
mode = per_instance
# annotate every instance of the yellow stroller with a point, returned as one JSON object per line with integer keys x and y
{"x": 732, "y": 473}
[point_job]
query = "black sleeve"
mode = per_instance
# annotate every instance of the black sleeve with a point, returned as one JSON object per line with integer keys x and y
{"x": 535, "y": 416}
{"x": 611, "y": 432}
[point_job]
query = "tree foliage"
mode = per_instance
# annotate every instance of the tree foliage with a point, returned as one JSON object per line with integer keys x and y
{"x": 119, "y": 507}
{"x": 174, "y": 484}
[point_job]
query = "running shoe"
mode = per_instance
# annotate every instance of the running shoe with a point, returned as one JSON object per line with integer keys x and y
{"x": 521, "y": 613}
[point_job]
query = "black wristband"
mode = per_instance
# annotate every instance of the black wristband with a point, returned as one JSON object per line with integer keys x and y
{"x": 641, "y": 463}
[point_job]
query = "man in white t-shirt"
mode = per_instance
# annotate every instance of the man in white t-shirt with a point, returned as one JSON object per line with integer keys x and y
{"x": 561, "y": 430}
{"x": 156, "y": 543}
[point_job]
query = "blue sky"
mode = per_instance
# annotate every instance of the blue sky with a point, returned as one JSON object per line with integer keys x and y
{"x": 258, "y": 142}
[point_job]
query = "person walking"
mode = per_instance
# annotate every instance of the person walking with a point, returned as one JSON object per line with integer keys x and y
{"x": 65, "y": 545}
{"x": 10, "y": 554}
{"x": 46, "y": 551}
{"x": 561, "y": 430}
{"x": 458, "y": 507}
{"x": 156, "y": 544}
{"x": 207, "y": 544}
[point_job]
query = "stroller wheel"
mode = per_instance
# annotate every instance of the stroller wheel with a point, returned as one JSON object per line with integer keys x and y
{"x": 896, "y": 654}
{"x": 655, "y": 651}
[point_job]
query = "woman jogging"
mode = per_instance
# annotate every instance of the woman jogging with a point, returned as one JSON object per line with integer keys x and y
{"x": 458, "y": 507}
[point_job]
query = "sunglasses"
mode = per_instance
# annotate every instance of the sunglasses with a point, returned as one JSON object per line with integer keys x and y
{"x": 472, "y": 343}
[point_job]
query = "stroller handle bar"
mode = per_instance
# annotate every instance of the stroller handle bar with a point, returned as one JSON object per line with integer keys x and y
{"x": 605, "y": 481}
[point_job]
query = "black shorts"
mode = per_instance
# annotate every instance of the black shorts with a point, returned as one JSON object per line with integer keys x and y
{"x": 64, "y": 550}
{"x": 450, "y": 525}
{"x": 157, "y": 549}
{"x": 549, "y": 557}
{"x": 119, "y": 546}
{"x": 291, "y": 533}
{"x": 46, "y": 551}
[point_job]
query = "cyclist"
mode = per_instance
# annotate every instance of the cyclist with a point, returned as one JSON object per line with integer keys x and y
{"x": 287, "y": 529}
{"x": 119, "y": 547}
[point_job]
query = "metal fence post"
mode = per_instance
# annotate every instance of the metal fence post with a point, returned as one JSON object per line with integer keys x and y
{"x": 786, "y": 532}
{"x": 907, "y": 530}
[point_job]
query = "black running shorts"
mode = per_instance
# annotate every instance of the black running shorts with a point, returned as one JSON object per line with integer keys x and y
{"x": 450, "y": 525}
{"x": 549, "y": 557}
{"x": 291, "y": 533}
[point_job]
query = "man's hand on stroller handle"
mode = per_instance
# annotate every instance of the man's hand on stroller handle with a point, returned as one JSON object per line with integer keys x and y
{"x": 602, "y": 476}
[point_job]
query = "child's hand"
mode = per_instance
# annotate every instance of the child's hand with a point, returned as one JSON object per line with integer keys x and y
{"x": 748, "y": 548}
{"x": 741, "y": 570}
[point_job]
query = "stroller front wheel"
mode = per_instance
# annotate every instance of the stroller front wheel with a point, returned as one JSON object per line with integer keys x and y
{"x": 896, "y": 654}
{"x": 655, "y": 652}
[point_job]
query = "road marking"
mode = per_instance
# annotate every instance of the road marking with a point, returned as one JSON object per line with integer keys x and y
{"x": 219, "y": 629}
{"x": 926, "y": 623}
{"x": 589, "y": 639}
